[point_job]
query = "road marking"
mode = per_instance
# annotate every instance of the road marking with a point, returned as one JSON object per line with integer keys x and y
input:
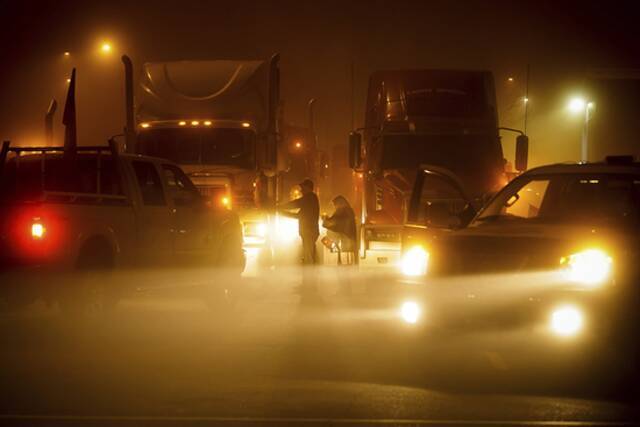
{"x": 302, "y": 420}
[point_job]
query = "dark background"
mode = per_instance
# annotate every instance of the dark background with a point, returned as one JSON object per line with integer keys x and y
{"x": 319, "y": 43}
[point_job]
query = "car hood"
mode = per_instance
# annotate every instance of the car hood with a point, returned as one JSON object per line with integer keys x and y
{"x": 518, "y": 247}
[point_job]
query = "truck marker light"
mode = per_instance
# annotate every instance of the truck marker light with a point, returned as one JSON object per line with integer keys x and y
{"x": 195, "y": 123}
{"x": 246, "y": 125}
{"x": 207, "y": 123}
{"x": 182, "y": 123}
{"x": 37, "y": 230}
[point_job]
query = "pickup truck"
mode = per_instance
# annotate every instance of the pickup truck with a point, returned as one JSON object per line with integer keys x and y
{"x": 70, "y": 219}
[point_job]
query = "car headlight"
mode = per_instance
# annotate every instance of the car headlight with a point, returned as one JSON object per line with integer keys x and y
{"x": 566, "y": 320}
{"x": 410, "y": 312}
{"x": 415, "y": 262}
{"x": 591, "y": 266}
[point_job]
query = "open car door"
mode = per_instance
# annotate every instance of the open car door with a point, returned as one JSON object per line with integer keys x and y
{"x": 438, "y": 200}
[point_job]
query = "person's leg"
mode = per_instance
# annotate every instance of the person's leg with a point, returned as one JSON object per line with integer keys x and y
{"x": 309, "y": 250}
{"x": 309, "y": 289}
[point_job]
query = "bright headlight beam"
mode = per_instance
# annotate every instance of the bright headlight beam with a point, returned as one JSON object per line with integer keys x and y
{"x": 415, "y": 262}
{"x": 566, "y": 321}
{"x": 590, "y": 267}
{"x": 410, "y": 312}
{"x": 261, "y": 229}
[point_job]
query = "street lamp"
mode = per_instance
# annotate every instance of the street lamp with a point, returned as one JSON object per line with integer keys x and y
{"x": 580, "y": 105}
{"x": 105, "y": 47}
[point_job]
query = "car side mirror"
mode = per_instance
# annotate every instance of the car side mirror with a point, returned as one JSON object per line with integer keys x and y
{"x": 522, "y": 152}
{"x": 355, "y": 155}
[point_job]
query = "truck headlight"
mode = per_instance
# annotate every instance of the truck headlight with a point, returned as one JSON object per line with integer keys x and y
{"x": 591, "y": 266}
{"x": 415, "y": 262}
{"x": 566, "y": 320}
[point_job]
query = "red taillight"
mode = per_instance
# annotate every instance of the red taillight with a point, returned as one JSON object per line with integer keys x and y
{"x": 38, "y": 230}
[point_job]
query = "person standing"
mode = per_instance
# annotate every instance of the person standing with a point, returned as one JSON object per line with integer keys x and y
{"x": 307, "y": 212}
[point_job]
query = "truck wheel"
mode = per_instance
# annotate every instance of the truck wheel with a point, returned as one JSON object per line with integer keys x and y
{"x": 92, "y": 290}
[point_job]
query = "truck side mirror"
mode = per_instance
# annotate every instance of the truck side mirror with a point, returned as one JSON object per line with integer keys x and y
{"x": 355, "y": 144}
{"x": 522, "y": 152}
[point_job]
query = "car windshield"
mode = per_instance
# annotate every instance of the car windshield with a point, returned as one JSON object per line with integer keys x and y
{"x": 206, "y": 146}
{"x": 567, "y": 198}
{"x": 459, "y": 97}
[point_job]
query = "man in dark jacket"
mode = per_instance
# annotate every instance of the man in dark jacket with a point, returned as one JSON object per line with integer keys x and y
{"x": 307, "y": 213}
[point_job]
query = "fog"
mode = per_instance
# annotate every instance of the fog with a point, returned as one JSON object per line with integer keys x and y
{"x": 322, "y": 44}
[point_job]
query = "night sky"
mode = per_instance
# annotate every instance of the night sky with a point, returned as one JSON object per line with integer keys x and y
{"x": 319, "y": 43}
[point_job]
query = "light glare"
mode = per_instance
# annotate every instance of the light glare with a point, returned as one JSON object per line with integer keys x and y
{"x": 37, "y": 230}
{"x": 566, "y": 321}
{"x": 591, "y": 267}
{"x": 577, "y": 105}
{"x": 410, "y": 312}
{"x": 415, "y": 262}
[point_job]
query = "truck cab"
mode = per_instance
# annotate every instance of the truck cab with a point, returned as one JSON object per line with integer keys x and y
{"x": 445, "y": 118}
{"x": 218, "y": 120}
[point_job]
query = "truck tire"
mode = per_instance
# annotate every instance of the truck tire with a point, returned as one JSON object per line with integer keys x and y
{"x": 91, "y": 290}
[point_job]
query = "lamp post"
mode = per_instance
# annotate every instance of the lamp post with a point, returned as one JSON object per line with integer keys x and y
{"x": 581, "y": 106}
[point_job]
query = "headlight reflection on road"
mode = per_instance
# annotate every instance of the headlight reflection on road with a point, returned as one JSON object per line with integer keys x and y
{"x": 410, "y": 312}
{"x": 566, "y": 321}
{"x": 591, "y": 266}
{"x": 415, "y": 262}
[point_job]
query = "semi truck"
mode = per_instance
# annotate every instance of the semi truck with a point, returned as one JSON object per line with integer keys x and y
{"x": 221, "y": 121}
{"x": 443, "y": 118}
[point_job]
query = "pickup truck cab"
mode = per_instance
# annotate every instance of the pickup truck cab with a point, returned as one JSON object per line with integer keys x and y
{"x": 95, "y": 209}
{"x": 556, "y": 250}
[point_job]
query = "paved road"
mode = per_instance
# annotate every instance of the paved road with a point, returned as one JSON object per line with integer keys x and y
{"x": 165, "y": 355}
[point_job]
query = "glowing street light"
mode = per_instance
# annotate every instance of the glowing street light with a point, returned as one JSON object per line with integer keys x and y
{"x": 510, "y": 79}
{"x": 67, "y": 53}
{"x": 106, "y": 47}
{"x": 579, "y": 105}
